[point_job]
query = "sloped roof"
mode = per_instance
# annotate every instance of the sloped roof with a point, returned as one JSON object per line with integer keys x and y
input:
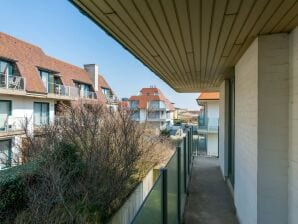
{"x": 147, "y": 95}
{"x": 29, "y": 58}
{"x": 102, "y": 83}
{"x": 209, "y": 96}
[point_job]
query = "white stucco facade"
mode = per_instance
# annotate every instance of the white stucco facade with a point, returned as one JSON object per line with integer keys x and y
{"x": 265, "y": 140}
{"x": 22, "y": 108}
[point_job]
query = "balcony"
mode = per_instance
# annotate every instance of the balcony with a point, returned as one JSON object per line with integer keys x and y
{"x": 111, "y": 99}
{"x": 12, "y": 84}
{"x": 69, "y": 92}
{"x": 11, "y": 125}
{"x": 209, "y": 124}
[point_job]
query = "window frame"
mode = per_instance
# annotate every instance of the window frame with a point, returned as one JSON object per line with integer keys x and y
{"x": 9, "y": 157}
{"x": 40, "y": 113}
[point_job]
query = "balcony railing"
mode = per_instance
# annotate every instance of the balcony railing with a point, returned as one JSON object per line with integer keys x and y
{"x": 11, "y": 123}
{"x": 70, "y": 91}
{"x": 88, "y": 95}
{"x": 111, "y": 99}
{"x": 209, "y": 124}
{"x": 166, "y": 201}
{"x": 12, "y": 82}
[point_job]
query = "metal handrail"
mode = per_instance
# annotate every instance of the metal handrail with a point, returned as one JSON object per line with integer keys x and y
{"x": 13, "y": 82}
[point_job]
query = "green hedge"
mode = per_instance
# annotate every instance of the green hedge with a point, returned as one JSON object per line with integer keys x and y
{"x": 13, "y": 196}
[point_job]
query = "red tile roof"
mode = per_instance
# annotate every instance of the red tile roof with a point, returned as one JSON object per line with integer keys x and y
{"x": 209, "y": 96}
{"x": 102, "y": 83}
{"x": 29, "y": 58}
{"x": 150, "y": 94}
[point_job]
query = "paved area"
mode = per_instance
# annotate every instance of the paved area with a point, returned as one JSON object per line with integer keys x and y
{"x": 209, "y": 200}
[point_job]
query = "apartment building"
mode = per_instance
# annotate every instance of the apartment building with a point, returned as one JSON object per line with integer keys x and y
{"x": 33, "y": 85}
{"x": 208, "y": 123}
{"x": 153, "y": 107}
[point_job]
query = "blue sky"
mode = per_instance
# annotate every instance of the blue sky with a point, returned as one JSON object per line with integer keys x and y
{"x": 64, "y": 33}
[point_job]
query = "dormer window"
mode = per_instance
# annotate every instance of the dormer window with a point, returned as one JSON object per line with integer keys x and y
{"x": 51, "y": 81}
{"x": 156, "y": 94}
{"x": 10, "y": 77}
{"x": 106, "y": 92}
{"x": 45, "y": 77}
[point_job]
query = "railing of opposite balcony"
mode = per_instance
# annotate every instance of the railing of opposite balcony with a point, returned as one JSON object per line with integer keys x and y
{"x": 166, "y": 200}
{"x": 13, "y": 82}
{"x": 10, "y": 123}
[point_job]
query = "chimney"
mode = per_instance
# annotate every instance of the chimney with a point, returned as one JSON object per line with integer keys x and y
{"x": 92, "y": 70}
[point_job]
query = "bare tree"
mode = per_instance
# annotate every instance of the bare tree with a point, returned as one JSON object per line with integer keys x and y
{"x": 90, "y": 160}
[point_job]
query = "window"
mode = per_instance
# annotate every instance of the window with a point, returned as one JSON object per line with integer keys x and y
{"x": 5, "y": 153}
{"x": 106, "y": 92}
{"x": 84, "y": 89}
{"x": 5, "y": 112}
{"x": 45, "y": 79}
{"x": 134, "y": 104}
{"x": 41, "y": 114}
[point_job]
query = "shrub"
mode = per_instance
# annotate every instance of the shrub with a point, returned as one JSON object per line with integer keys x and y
{"x": 88, "y": 165}
{"x": 12, "y": 190}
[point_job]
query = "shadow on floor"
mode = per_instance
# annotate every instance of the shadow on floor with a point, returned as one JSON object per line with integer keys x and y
{"x": 209, "y": 200}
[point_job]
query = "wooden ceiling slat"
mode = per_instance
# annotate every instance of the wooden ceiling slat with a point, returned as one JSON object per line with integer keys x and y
{"x": 147, "y": 22}
{"x": 130, "y": 10}
{"x": 125, "y": 22}
{"x": 195, "y": 23}
{"x": 206, "y": 11}
{"x": 233, "y": 7}
{"x": 173, "y": 23}
{"x": 281, "y": 12}
{"x": 271, "y": 9}
{"x": 216, "y": 30}
{"x": 165, "y": 30}
{"x": 223, "y": 38}
{"x": 252, "y": 18}
{"x": 240, "y": 19}
{"x": 282, "y": 24}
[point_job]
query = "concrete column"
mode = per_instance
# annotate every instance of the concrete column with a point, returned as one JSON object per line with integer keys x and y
{"x": 224, "y": 127}
{"x": 261, "y": 131}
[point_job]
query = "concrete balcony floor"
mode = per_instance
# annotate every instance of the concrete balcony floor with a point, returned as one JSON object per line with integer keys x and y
{"x": 209, "y": 200}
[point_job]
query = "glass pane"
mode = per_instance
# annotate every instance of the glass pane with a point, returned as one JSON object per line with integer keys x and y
{"x": 45, "y": 79}
{"x": 45, "y": 113}
{"x": 5, "y": 107}
{"x": 151, "y": 211}
{"x": 172, "y": 184}
{"x": 37, "y": 114}
{"x": 5, "y": 154}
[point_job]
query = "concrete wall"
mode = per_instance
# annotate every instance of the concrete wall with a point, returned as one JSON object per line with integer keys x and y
{"x": 213, "y": 109}
{"x": 23, "y": 107}
{"x": 223, "y": 127}
{"x": 212, "y": 144}
{"x": 293, "y": 130}
{"x": 246, "y": 138}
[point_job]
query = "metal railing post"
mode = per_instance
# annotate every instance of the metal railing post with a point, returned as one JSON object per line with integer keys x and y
{"x": 164, "y": 196}
{"x": 179, "y": 183}
{"x": 188, "y": 151}
{"x": 185, "y": 164}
